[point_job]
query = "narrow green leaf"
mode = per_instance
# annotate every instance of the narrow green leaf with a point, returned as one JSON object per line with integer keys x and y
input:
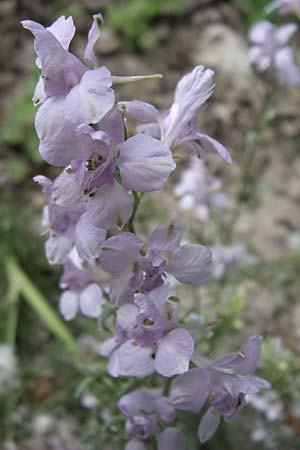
{"x": 38, "y": 302}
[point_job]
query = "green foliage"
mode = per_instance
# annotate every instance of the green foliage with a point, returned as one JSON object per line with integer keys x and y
{"x": 17, "y": 129}
{"x": 132, "y": 18}
{"x": 254, "y": 9}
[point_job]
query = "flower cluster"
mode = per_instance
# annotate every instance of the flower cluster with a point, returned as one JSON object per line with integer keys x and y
{"x": 89, "y": 218}
{"x": 270, "y": 45}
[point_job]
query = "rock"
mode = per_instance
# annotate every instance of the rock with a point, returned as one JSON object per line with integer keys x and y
{"x": 223, "y": 49}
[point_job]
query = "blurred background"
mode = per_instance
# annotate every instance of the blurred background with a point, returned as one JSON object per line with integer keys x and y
{"x": 53, "y": 399}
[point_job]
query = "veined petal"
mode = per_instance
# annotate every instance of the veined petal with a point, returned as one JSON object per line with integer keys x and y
{"x": 91, "y": 99}
{"x": 63, "y": 29}
{"x": 208, "y": 425}
{"x": 88, "y": 238}
{"x": 57, "y": 248}
{"x": 140, "y": 111}
{"x": 245, "y": 361}
{"x": 126, "y": 316}
{"x": 166, "y": 238}
{"x": 119, "y": 251}
{"x": 212, "y": 145}
{"x": 174, "y": 353}
{"x": 93, "y": 36}
{"x": 190, "y": 390}
{"x": 145, "y": 163}
{"x": 110, "y": 207}
{"x": 131, "y": 360}
{"x": 91, "y": 300}
{"x": 191, "y": 264}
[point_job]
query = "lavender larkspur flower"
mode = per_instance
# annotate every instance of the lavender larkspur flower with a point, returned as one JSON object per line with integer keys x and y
{"x": 198, "y": 190}
{"x": 267, "y": 40}
{"x": 284, "y": 6}
{"x": 143, "y": 409}
{"x": 67, "y": 226}
{"x": 148, "y": 337}
{"x": 190, "y": 263}
{"x": 177, "y": 125}
{"x": 143, "y": 163}
{"x": 225, "y": 382}
{"x": 70, "y": 92}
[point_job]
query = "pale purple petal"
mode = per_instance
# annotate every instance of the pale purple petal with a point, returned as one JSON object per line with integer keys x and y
{"x": 208, "y": 425}
{"x": 91, "y": 300}
{"x": 120, "y": 289}
{"x": 93, "y": 37}
{"x": 174, "y": 353}
{"x": 141, "y": 111}
{"x": 139, "y": 401}
{"x": 57, "y": 248}
{"x": 110, "y": 207}
{"x": 260, "y": 31}
{"x": 88, "y": 238}
{"x": 49, "y": 118}
{"x": 61, "y": 70}
{"x": 245, "y": 361}
{"x": 171, "y": 438}
{"x": 131, "y": 360}
{"x": 190, "y": 390}
{"x": 210, "y": 144}
{"x": 126, "y": 316}
{"x": 191, "y": 264}
{"x": 39, "y": 95}
{"x": 285, "y": 32}
{"x": 67, "y": 187}
{"x": 113, "y": 125}
{"x": 68, "y": 305}
{"x": 288, "y": 71}
{"x": 120, "y": 251}
{"x": 191, "y": 93}
{"x": 63, "y": 29}
{"x": 166, "y": 409}
{"x": 91, "y": 99}
{"x": 108, "y": 346}
{"x": 145, "y": 163}
{"x": 166, "y": 238}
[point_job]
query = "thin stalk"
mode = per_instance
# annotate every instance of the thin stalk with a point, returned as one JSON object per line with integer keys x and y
{"x": 136, "y": 202}
{"x": 125, "y": 80}
{"x": 37, "y": 301}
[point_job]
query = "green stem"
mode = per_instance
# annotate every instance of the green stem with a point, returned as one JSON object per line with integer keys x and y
{"x": 36, "y": 300}
{"x": 136, "y": 202}
{"x": 125, "y": 80}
